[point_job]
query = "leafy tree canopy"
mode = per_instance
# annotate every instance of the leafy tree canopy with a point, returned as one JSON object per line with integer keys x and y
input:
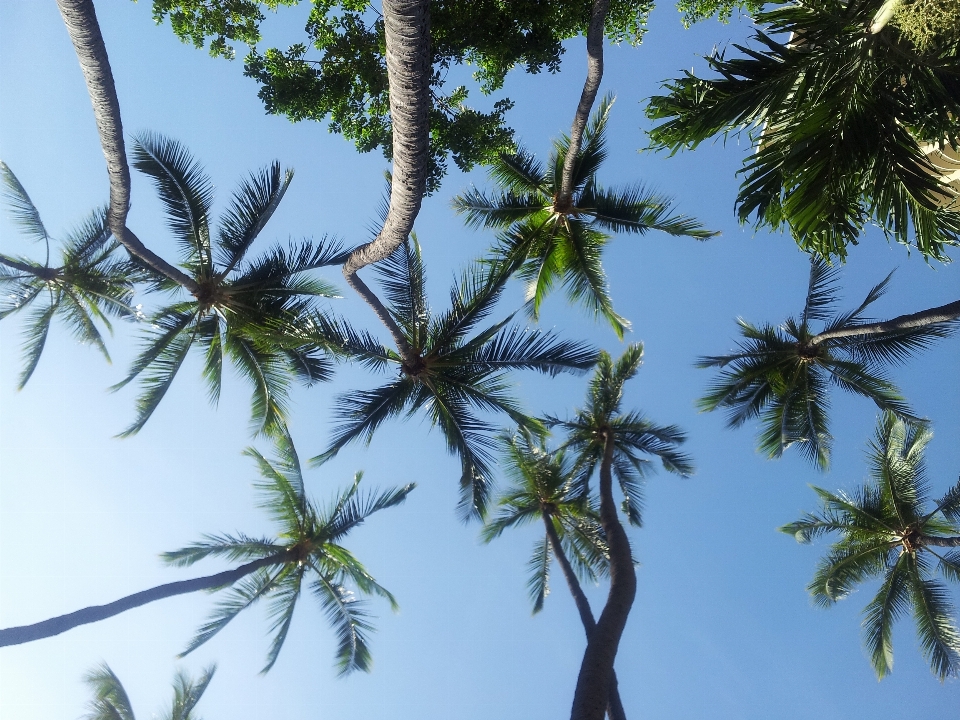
{"x": 339, "y": 71}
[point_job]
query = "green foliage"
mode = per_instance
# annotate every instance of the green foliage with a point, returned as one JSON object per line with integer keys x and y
{"x": 246, "y": 310}
{"x": 460, "y": 370}
{"x": 633, "y": 435}
{"x": 564, "y": 244}
{"x": 309, "y": 542}
{"x": 339, "y": 69}
{"x": 838, "y": 118}
{"x": 112, "y": 703}
{"x": 87, "y": 285}
{"x": 886, "y": 533}
{"x": 926, "y": 23}
{"x": 696, "y": 10}
{"x": 778, "y": 376}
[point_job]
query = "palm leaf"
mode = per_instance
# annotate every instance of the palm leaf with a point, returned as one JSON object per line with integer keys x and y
{"x": 349, "y": 621}
{"x": 890, "y": 602}
{"x": 25, "y": 214}
{"x": 538, "y": 582}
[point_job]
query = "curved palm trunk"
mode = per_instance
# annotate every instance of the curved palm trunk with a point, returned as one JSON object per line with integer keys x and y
{"x": 407, "y": 30}
{"x": 80, "y": 17}
{"x": 615, "y": 709}
{"x": 596, "y": 670}
{"x": 591, "y": 85}
{"x": 940, "y": 541}
{"x": 22, "y": 267}
{"x": 942, "y": 314}
{"x": 95, "y": 613}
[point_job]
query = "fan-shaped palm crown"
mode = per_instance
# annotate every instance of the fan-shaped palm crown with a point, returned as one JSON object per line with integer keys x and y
{"x": 112, "y": 703}
{"x": 542, "y": 488}
{"x": 307, "y": 548}
{"x": 840, "y": 114}
{"x": 453, "y": 375}
{"x": 244, "y": 309}
{"x": 632, "y": 434}
{"x": 86, "y": 286}
{"x": 887, "y": 533}
{"x": 782, "y": 374}
{"x": 564, "y": 243}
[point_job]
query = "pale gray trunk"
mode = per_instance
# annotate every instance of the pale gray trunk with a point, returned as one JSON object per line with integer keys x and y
{"x": 596, "y": 670}
{"x": 591, "y": 85}
{"x": 80, "y": 17}
{"x": 615, "y": 709}
{"x": 95, "y": 613}
{"x": 407, "y": 29}
{"x": 942, "y": 314}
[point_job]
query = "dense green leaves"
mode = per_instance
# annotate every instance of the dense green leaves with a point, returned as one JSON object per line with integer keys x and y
{"x": 246, "y": 311}
{"x": 563, "y": 245}
{"x": 459, "y": 371}
{"x": 338, "y": 71}
{"x": 782, "y": 374}
{"x": 307, "y": 547}
{"x": 112, "y": 703}
{"x": 838, "y": 117}
{"x": 886, "y": 533}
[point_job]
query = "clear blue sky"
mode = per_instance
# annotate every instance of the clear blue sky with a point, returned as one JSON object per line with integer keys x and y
{"x": 722, "y": 627}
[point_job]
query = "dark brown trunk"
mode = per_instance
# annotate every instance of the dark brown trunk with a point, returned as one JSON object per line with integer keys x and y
{"x": 591, "y": 85}
{"x": 942, "y": 314}
{"x": 80, "y": 17}
{"x": 407, "y": 29}
{"x": 596, "y": 670}
{"x": 940, "y": 541}
{"x": 95, "y": 613}
{"x": 615, "y": 709}
{"x": 22, "y": 267}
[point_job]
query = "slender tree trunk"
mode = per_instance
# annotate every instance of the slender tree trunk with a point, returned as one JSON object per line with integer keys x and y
{"x": 22, "y": 267}
{"x": 80, "y": 17}
{"x": 407, "y": 30}
{"x": 596, "y": 670}
{"x": 940, "y": 541}
{"x": 615, "y": 709}
{"x": 95, "y": 613}
{"x": 598, "y": 16}
{"x": 942, "y": 314}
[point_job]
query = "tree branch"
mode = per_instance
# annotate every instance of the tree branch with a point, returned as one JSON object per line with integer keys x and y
{"x": 95, "y": 613}
{"x": 591, "y": 85}
{"x": 943, "y": 314}
{"x": 80, "y": 17}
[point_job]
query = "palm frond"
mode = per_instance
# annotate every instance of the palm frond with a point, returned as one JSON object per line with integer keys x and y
{"x": 636, "y": 209}
{"x": 234, "y": 548}
{"x": 35, "y": 336}
{"x": 283, "y": 602}
{"x": 889, "y": 604}
{"x": 25, "y": 214}
{"x": 187, "y": 693}
{"x": 349, "y": 620}
{"x": 821, "y": 290}
{"x": 110, "y": 698}
{"x": 933, "y": 614}
{"x": 538, "y": 582}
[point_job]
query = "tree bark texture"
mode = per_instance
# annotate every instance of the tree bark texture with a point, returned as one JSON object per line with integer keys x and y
{"x": 596, "y": 670}
{"x": 615, "y": 709}
{"x": 80, "y": 17}
{"x": 591, "y": 85}
{"x": 942, "y": 314}
{"x": 940, "y": 541}
{"x": 95, "y": 613}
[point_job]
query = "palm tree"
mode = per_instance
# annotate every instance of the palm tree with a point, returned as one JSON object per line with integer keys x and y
{"x": 83, "y": 288}
{"x": 839, "y": 115}
{"x": 564, "y": 242}
{"x": 600, "y": 434}
{"x": 887, "y": 533}
{"x": 781, "y": 374}
{"x": 112, "y": 703}
{"x": 542, "y": 489}
{"x": 445, "y": 371}
{"x": 306, "y": 548}
{"x": 245, "y": 309}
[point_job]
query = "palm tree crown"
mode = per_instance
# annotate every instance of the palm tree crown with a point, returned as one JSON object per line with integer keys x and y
{"x": 633, "y": 435}
{"x": 782, "y": 374}
{"x": 840, "y": 115}
{"x": 887, "y": 533}
{"x": 246, "y": 310}
{"x": 307, "y": 547}
{"x": 112, "y": 703}
{"x": 542, "y": 488}
{"x": 564, "y": 243}
{"x": 82, "y": 289}
{"x": 449, "y": 374}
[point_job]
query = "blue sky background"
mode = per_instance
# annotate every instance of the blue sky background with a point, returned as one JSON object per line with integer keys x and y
{"x": 722, "y": 627}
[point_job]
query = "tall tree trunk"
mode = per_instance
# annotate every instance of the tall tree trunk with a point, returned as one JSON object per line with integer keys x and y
{"x": 95, "y": 613}
{"x": 22, "y": 267}
{"x": 939, "y": 541}
{"x": 615, "y": 709}
{"x": 591, "y": 85}
{"x": 596, "y": 670}
{"x": 943, "y": 314}
{"x": 80, "y": 17}
{"x": 407, "y": 30}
